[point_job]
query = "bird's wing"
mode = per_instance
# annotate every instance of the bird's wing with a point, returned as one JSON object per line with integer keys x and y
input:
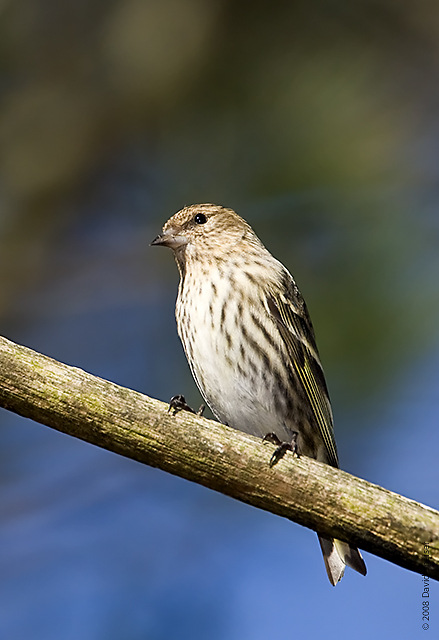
{"x": 290, "y": 313}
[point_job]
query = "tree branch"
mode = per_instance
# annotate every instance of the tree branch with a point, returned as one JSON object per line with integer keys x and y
{"x": 312, "y": 494}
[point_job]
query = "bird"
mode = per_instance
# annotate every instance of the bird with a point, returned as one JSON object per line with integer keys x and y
{"x": 250, "y": 344}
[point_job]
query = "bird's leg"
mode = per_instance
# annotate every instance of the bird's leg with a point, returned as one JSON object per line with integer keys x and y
{"x": 282, "y": 447}
{"x": 178, "y": 403}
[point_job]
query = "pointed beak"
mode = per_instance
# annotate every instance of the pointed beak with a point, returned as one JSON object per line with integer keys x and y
{"x": 169, "y": 238}
{"x": 159, "y": 240}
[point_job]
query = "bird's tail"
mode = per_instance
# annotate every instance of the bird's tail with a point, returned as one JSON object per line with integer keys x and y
{"x": 337, "y": 555}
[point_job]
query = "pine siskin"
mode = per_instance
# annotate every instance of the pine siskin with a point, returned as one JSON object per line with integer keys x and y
{"x": 250, "y": 343}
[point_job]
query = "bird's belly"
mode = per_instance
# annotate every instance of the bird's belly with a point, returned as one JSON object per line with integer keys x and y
{"x": 229, "y": 363}
{"x": 242, "y": 400}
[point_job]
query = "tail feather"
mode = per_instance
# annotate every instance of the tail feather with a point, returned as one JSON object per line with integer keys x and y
{"x": 351, "y": 556}
{"x": 337, "y": 555}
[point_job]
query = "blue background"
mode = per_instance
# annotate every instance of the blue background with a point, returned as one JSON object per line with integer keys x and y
{"x": 318, "y": 123}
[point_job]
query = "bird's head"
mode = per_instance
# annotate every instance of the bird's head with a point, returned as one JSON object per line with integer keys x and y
{"x": 203, "y": 230}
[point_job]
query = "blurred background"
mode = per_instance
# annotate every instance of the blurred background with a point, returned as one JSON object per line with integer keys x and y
{"x": 318, "y": 122}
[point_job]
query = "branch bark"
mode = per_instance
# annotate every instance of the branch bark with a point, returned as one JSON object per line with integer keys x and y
{"x": 312, "y": 494}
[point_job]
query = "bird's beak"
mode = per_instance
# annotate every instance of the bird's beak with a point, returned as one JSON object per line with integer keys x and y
{"x": 160, "y": 239}
{"x": 169, "y": 239}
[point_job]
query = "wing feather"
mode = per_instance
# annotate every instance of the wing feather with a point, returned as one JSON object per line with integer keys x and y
{"x": 292, "y": 318}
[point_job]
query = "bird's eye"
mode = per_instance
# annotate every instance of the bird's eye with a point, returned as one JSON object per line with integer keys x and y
{"x": 200, "y": 218}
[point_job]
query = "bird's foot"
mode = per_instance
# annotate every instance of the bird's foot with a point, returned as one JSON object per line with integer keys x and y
{"x": 282, "y": 447}
{"x": 178, "y": 403}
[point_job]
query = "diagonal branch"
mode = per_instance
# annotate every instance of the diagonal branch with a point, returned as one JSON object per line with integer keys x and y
{"x": 312, "y": 494}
